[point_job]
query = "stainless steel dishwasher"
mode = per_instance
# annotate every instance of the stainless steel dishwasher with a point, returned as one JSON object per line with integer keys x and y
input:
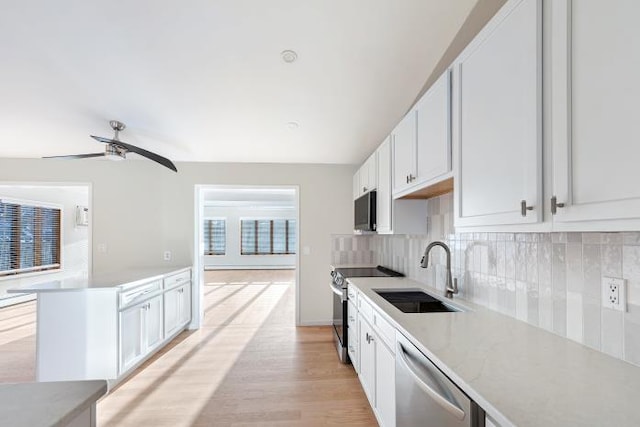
{"x": 426, "y": 397}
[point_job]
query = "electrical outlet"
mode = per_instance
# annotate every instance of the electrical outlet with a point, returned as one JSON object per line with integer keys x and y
{"x": 167, "y": 255}
{"x": 614, "y": 294}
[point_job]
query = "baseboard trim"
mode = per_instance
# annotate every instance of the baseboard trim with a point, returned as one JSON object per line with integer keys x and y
{"x": 316, "y": 323}
{"x": 249, "y": 267}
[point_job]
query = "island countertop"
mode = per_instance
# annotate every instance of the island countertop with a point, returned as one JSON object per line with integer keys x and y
{"x": 47, "y": 404}
{"x": 123, "y": 278}
{"x": 519, "y": 374}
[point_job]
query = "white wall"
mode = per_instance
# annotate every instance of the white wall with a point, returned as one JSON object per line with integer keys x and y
{"x": 75, "y": 239}
{"x": 141, "y": 209}
{"x": 232, "y": 257}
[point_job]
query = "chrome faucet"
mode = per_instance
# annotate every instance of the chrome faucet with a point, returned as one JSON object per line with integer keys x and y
{"x": 452, "y": 284}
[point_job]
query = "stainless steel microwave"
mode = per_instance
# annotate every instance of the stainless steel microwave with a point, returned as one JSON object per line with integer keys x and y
{"x": 365, "y": 212}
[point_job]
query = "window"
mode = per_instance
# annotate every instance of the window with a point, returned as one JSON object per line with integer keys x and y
{"x": 215, "y": 236}
{"x": 29, "y": 238}
{"x": 268, "y": 236}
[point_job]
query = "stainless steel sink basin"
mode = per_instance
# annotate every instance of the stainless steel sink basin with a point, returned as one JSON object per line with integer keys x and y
{"x": 415, "y": 301}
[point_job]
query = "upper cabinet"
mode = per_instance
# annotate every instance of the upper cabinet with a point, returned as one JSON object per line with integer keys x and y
{"x": 497, "y": 126}
{"x": 594, "y": 121}
{"x": 383, "y": 198}
{"x": 422, "y": 141}
{"x": 366, "y": 178}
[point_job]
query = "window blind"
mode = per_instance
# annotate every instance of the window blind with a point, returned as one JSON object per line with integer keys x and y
{"x": 268, "y": 236}
{"x": 215, "y": 236}
{"x": 29, "y": 238}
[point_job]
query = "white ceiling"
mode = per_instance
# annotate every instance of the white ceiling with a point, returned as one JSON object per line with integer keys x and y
{"x": 202, "y": 80}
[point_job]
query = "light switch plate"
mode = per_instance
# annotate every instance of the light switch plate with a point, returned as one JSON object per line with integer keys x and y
{"x": 614, "y": 294}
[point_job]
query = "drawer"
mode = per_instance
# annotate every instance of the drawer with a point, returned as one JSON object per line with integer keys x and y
{"x": 365, "y": 309}
{"x": 174, "y": 279}
{"x": 384, "y": 330}
{"x": 352, "y": 293}
{"x": 139, "y": 293}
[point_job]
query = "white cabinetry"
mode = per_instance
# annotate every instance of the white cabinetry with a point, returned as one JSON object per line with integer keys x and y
{"x": 422, "y": 141}
{"x": 140, "y": 331}
{"x": 396, "y": 216}
{"x": 433, "y": 146}
{"x": 404, "y": 153}
{"x": 595, "y": 90}
{"x": 352, "y": 335}
{"x": 177, "y": 309}
{"x": 383, "y": 197}
{"x": 367, "y": 371}
{"x": 497, "y": 127}
{"x": 377, "y": 362}
{"x": 366, "y": 178}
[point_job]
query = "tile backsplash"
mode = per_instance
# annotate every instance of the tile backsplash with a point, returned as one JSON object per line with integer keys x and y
{"x": 550, "y": 280}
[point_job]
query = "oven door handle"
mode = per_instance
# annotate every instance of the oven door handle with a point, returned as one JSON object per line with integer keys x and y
{"x": 336, "y": 290}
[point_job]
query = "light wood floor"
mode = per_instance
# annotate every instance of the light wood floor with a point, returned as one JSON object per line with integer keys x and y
{"x": 248, "y": 365}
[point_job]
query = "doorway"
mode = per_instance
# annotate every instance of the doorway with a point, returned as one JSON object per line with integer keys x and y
{"x": 245, "y": 231}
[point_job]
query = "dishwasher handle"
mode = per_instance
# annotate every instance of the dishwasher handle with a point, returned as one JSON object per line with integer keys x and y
{"x": 437, "y": 397}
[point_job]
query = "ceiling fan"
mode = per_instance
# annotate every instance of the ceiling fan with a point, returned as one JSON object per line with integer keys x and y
{"x": 117, "y": 150}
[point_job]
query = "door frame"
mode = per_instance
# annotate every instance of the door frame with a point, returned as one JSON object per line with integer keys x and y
{"x": 198, "y": 261}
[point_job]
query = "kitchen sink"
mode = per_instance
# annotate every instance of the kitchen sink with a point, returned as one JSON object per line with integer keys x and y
{"x": 415, "y": 301}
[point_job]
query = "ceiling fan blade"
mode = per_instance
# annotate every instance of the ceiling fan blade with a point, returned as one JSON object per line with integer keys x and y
{"x": 103, "y": 139}
{"x": 76, "y": 156}
{"x": 148, "y": 154}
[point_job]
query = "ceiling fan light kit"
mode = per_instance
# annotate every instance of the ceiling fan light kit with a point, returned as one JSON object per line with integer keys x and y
{"x": 117, "y": 150}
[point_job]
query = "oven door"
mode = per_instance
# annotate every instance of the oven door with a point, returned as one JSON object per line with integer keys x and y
{"x": 339, "y": 296}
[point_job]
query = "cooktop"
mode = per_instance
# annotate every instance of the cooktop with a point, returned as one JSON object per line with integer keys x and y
{"x": 378, "y": 271}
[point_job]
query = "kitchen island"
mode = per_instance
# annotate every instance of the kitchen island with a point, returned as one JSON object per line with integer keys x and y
{"x": 104, "y": 327}
{"x": 66, "y": 403}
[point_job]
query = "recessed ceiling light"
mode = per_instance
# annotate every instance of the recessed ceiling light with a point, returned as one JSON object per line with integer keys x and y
{"x": 293, "y": 125}
{"x": 289, "y": 56}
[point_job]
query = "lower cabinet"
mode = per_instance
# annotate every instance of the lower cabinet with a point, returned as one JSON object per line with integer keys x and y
{"x": 385, "y": 384}
{"x": 140, "y": 331}
{"x": 377, "y": 367}
{"x": 367, "y": 360}
{"x": 177, "y": 309}
{"x": 352, "y": 336}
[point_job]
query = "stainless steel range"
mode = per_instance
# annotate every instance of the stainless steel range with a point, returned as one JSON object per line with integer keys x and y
{"x": 340, "y": 301}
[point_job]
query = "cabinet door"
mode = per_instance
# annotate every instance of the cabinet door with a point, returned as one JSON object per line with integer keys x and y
{"x": 385, "y": 384}
{"x": 497, "y": 120}
{"x": 595, "y": 91}
{"x": 434, "y": 131}
{"x": 352, "y": 336}
{"x": 404, "y": 152}
{"x": 153, "y": 323}
{"x": 356, "y": 185}
{"x": 383, "y": 197}
{"x": 131, "y": 345}
{"x": 171, "y": 311}
{"x": 185, "y": 304}
{"x": 367, "y": 360}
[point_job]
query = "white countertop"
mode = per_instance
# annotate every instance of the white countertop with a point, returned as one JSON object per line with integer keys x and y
{"x": 124, "y": 278}
{"x": 519, "y": 374}
{"x": 47, "y": 403}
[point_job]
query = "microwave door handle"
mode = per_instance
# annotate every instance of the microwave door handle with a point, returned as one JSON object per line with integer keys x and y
{"x": 437, "y": 397}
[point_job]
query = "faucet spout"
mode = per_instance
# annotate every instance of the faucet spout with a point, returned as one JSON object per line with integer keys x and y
{"x": 451, "y": 287}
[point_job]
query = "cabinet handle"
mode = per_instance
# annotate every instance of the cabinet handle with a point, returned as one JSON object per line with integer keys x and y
{"x": 411, "y": 178}
{"x": 369, "y": 338}
{"x": 524, "y": 208}
{"x": 407, "y": 178}
{"x": 364, "y": 189}
{"x": 555, "y": 205}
